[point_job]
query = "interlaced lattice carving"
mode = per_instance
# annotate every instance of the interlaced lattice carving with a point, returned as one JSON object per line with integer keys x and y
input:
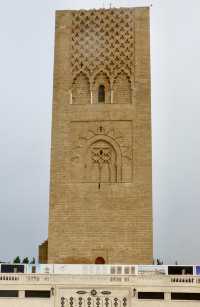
{"x": 102, "y": 40}
{"x": 103, "y": 159}
{"x": 101, "y": 155}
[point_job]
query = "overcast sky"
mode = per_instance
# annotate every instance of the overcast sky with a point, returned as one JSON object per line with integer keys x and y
{"x": 26, "y": 73}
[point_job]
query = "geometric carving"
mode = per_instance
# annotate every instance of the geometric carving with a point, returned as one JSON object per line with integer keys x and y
{"x": 80, "y": 302}
{"x": 102, "y": 151}
{"x": 101, "y": 164}
{"x": 102, "y": 40}
{"x": 62, "y": 301}
{"x": 124, "y": 302}
{"x": 116, "y": 302}
{"x": 94, "y": 298}
{"x": 89, "y": 301}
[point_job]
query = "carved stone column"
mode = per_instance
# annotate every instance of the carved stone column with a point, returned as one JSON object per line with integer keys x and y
{"x": 70, "y": 97}
{"x": 111, "y": 95}
{"x": 132, "y": 89}
{"x": 91, "y": 97}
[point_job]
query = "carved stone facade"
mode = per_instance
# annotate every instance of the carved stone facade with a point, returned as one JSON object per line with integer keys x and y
{"x": 102, "y": 151}
{"x": 102, "y": 52}
{"x": 100, "y": 199}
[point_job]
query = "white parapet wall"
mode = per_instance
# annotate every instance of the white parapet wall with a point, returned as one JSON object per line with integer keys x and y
{"x": 84, "y": 269}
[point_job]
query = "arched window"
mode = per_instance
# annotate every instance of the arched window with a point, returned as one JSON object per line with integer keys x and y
{"x": 101, "y": 94}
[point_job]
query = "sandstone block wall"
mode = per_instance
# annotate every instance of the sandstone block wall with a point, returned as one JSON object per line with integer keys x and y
{"x": 101, "y": 187}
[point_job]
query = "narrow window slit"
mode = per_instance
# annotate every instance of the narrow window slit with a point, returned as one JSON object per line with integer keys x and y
{"x": 101, "y": 94}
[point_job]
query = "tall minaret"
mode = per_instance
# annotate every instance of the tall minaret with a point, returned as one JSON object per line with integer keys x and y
{"x": 101, "y": 186}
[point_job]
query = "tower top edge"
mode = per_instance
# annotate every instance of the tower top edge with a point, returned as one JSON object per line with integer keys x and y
{"x": 105, "y": 9}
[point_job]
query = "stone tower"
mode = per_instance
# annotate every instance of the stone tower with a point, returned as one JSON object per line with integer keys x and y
{"x": 101, "y": 189}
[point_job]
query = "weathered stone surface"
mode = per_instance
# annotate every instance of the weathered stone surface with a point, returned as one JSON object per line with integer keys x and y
{"x": 101, "y": 187}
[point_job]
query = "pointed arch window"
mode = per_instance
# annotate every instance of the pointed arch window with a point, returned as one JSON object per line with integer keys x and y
{"x": 101, "y": 94}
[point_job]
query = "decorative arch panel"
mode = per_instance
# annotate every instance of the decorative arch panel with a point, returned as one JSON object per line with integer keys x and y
{"x": 81, "y": 89}
{"x": 101, "y": 152}
{"x": 122, "y": 89}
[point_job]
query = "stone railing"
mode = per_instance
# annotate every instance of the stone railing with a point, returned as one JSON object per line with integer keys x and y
{"x": 9, "y": 277}
{"x": 25, "y": 278}
{"x": 143, "y": 279}
{"x": 187, "y": 279}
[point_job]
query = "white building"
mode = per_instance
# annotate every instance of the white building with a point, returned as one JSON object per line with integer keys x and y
{"x": 99, "y": 286}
